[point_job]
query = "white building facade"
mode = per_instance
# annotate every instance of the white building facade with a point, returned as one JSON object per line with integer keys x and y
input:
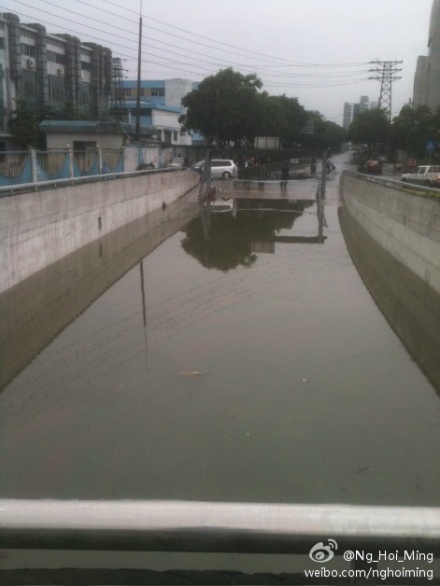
{"x": 160, "y": 107}
{"x": 427, "y": 76}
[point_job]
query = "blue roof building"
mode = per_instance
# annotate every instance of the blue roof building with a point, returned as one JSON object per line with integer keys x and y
{"x": 160, "y": 107}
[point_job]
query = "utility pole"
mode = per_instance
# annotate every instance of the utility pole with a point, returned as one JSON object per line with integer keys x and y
{"x": 138, "y": 100}
{"x": 385, "y": 73}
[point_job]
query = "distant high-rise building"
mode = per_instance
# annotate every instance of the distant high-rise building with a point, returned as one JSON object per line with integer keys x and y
{"x": 427, "y": 77}
{"x": 352, "y": 110}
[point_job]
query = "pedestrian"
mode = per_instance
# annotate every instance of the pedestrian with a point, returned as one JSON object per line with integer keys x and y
{"x": 330, "y": 166}
{"x": 313, "y": 166}
{"x": 261, "y": 173}
{"x": 284, "y": 175}
{"x": 104, "y": 168}
{"x": 247, "y": 173}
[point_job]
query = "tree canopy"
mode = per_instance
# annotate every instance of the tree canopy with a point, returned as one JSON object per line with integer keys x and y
{"x": 413, "y": 129}
{"x": 228, "y": 107}
{"x": 23, "y": 126}
{"x": 223, "y": 107}
{"x": 371, "y": 127}
{"x": 326, "y": 135}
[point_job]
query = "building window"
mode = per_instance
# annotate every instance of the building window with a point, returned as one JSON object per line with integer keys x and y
{"x": 84, "y": 145}
{"x": 175, "y": 136}
{"x": 84, "y": 98}
{"x": 55, "y": 43}
{"x": 56, "y": 94}
{"x": 56, "y": 89}
{"x": 158, "y": 92}
{"x": 29, "y": 88}
{"x": 28, "y": 50}
{"x": 56, "y": 58}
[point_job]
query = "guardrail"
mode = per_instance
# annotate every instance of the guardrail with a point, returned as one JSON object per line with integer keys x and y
{"x": 10, "y": 190}
{"x": 360, "y": 538}
{"x": 413, "y": 189}
{"x": 212, "y": 526}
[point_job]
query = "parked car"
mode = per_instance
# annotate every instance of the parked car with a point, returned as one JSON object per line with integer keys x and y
{"x": 145, "y": 166}
{"x": 225, "y": 168}
{"x": 372, "y": 167}
{"x": 428, "y": 175}
{"x": 177, "y": 163}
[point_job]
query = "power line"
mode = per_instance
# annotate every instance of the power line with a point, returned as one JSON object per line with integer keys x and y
{"x": 281, "y": 62}
{"x": 192, "y": 33}
{"x": 194, "y": 63}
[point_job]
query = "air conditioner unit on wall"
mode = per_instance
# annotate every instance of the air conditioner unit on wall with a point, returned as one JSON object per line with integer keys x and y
{"x": 31, "y": 63}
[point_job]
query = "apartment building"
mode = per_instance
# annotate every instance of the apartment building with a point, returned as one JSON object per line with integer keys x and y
{"x": 56, "y": 71}
{"x": 427, "y": 76}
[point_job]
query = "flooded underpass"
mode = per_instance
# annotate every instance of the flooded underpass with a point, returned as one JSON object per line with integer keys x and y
{"x": 240, "y": 360}
{"x": 240, "y": 367}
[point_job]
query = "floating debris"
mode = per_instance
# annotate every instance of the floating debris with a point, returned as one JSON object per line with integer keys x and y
{"x": 194, "y": 372}
{"x": 362, "y": 470}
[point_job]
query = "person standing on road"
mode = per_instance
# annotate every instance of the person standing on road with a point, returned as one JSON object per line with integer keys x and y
{"x": 330, "y": 166}
{"x": 284, "y": 175}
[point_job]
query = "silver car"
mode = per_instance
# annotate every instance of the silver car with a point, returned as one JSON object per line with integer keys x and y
{"x": 225, "y": 168}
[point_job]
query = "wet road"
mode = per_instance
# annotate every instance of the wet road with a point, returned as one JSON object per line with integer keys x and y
{"x": 249, "y": 367}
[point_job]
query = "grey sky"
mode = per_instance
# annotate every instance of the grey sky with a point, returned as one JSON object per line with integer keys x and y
{"x": 315, "y": 50}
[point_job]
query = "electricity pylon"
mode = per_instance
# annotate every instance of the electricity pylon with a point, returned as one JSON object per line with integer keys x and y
{"x": 117, "y": 99}
{"x": 386, "y": 74}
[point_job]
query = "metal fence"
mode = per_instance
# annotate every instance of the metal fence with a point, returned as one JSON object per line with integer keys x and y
{"x": 33, "y": 166}
{"x": 320, "y": 532}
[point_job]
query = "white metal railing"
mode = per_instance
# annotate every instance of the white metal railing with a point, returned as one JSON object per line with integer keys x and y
{"x": 212, "y": 526}
{"x": 412, "y": 188}
{"x": 10, "y": 190}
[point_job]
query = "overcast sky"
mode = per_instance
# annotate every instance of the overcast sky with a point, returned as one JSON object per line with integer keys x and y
{"x": 316, "y": 50}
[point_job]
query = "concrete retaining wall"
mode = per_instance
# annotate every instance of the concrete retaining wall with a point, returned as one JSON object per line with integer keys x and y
{"x": 37, "y": 309}
{"x": 38, "y": 228}
{"x": 403, "y": 223}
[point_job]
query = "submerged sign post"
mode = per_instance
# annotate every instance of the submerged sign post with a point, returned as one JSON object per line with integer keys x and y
{"x": 430, "y": 146}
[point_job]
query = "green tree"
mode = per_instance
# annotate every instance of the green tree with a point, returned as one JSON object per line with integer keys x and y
{"x": 223, "y": 108}
{"x": 118, "y": 113}
{"x": 23, "y": 125}
{"x": 280, "y": 116}
{"x": 404, "y": 131}
{"x": 372, "y": 128}
{"x": 412, "y": 129}
{"x": 326, "y": 135}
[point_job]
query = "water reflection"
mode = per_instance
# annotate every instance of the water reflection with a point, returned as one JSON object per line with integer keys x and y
{"x": 304, "y": 394}
{"x": 230, "y": 233}
{"x": 36, "y": 310}
{"x": 409, "y": 305}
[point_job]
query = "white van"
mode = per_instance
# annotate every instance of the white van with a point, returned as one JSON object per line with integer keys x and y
{"x": 225, "y": 168}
